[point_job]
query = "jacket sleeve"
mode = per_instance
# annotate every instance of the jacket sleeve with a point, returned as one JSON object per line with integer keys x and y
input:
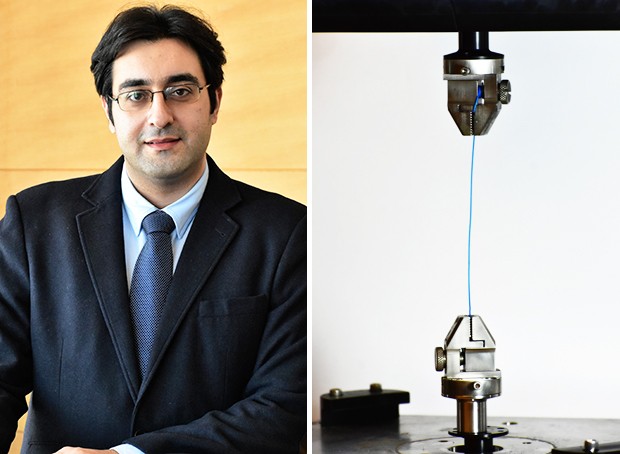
{"x": 15, "y": 351}
{"x": 272, "y": 416}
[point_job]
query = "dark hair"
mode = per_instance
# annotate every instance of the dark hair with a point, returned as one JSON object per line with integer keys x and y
{"x": 152, "y": 24}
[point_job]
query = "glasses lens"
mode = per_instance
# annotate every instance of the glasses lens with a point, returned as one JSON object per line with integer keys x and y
{"x": 134, "y": 100}
{"x": 182, "y": 93}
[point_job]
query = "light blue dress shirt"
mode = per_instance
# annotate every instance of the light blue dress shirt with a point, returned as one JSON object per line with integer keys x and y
{"x": 135, "y": 208}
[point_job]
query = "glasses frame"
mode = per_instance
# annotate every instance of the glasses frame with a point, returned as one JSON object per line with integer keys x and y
{"x": 163, "y": 92}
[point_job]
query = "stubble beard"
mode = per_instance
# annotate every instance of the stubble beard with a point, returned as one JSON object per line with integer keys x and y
{"x": 168, "y": 169}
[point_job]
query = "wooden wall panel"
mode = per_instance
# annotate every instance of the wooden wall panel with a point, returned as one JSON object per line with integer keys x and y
{"x": 290, "y": 182}
{"x": 19, "y": 436}
{"x": 52, "y": 119}
{"x": 53, "y": 126}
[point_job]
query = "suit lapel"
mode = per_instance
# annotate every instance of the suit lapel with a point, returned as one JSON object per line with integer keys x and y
{"x": 101, "y": 235}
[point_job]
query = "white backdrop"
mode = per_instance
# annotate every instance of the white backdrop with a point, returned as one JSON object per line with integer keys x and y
{"x": 390, "y": 181}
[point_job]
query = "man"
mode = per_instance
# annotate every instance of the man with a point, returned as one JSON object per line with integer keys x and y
{"x": 221, "y": 363}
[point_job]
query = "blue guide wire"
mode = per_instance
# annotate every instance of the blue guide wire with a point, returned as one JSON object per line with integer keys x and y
{"x": 471, "y": 191}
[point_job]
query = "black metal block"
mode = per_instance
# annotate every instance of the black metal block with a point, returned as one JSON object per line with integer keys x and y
{"x": 361, "y": 406}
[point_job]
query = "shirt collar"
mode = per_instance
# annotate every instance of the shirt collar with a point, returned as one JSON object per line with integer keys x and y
{"x": 182, "y": 211}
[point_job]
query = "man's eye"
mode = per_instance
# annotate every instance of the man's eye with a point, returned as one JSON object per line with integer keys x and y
{"x": 178, "y": 92}
{"x": 137, "y": 96}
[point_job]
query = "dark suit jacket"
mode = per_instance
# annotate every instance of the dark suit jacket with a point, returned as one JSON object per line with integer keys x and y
{"x": 230, "y": 367}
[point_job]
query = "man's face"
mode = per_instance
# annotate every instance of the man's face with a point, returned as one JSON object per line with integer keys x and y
{"x": 164, "y": 144}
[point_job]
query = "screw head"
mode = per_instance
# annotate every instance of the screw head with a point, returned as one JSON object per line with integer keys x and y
{"x": 335, "y": 392}
{"x": 590, "y": 445}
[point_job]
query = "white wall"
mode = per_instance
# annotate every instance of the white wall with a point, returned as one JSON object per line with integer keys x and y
{"x": 390, "y": 211}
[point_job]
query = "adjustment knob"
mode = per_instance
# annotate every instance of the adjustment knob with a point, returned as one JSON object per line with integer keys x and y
{"x": 504, "y": 91}
{"x": 440, "y": 359}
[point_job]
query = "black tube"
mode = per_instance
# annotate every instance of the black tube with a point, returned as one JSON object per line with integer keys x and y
{"x": 473, "y": 45}
{"x": 474, "y": 41}
{"x": 464, "y": 15}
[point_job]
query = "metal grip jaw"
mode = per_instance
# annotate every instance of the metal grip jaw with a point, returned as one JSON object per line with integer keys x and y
{"x": 474, "y": 75}
{"x": 468, "y": 358}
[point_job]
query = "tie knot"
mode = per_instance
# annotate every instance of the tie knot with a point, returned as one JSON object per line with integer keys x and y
{"x": 157, "y": 221}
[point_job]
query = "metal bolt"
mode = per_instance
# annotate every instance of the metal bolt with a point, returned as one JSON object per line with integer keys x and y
{"x": 590, "y": 445}
{"x": 376, "y": 388}
{"x": 465, "y": 70}
{"x": 335, "y": 392}
{"x": 477, "y": 385}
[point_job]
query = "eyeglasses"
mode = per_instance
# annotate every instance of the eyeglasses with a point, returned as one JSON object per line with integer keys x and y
{"x": 137, "y": 100}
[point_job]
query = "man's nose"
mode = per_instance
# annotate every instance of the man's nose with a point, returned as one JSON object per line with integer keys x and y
{"x": 160, "y": 114}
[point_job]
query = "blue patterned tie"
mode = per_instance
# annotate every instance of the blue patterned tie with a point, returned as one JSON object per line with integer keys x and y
{"x": 149, "y": 284}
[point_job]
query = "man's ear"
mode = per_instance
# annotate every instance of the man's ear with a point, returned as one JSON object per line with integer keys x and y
{"x": 218, "y": 99}
{"x": 105, "y": 104}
